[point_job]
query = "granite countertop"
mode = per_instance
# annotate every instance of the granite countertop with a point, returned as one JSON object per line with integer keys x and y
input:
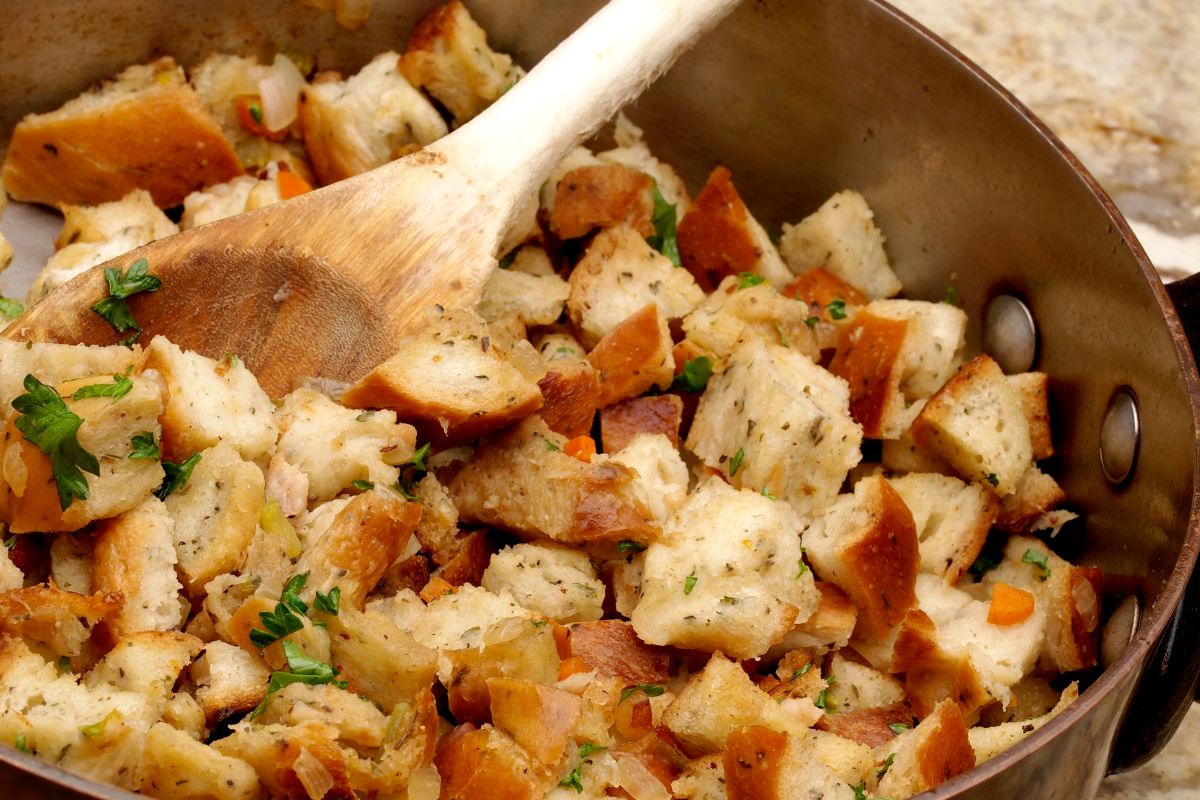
{"x": 1119, "y": 82}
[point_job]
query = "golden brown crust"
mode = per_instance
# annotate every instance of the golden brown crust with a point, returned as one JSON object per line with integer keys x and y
{"x": 819, "y": 287}
{"x": 884, "y": 560}
{"x": 274, "y": 749}
{"x": 714, "y": 238}
{"x": 1032, "y": 388}
{"x": 467, "y": 565}
{"x": 868, "y": 725}
{"x": 63, "y": 620}
{"x": 604, "y": 517}
{"x": 622, "y": 422}
{"x": 478, "y": 763}
{"x": 601, "y": 196}
{"x": 931, "y": 674}
{"x": 570, "y": 395}
{"x": 945, "y": 751}
{"x": 633, "y": 356}
{"x": 412, "y": 573}
{"x": 611, "y": 647}
{"x": 538, "y": 718}
{"x": 754, "y": 758}
{"x": 868, "y": 358}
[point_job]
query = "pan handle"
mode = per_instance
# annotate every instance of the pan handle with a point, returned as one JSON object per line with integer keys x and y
{"x": 1171, "y": 677}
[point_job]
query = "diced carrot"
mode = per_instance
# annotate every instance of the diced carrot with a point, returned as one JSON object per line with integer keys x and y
{"x": 582, "y": 448}
{"x": 435, "y": 589}
{"x": 290, "y": 184}
{"x": 250, "y": 115}
{"x": 1010, "y": 605}
{"x": 562, "y": 639}
{"x": 569, "y": 666}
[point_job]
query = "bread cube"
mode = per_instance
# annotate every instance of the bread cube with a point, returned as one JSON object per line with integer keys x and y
{"x": 177, "y": 767}
{"x": 87, "y": 223}
{"x": 147, "y": 662}
{"x": 215, "y": 515}
{"x": 1032, "y": 388}
{"x": 437, "y": 530}
{"x": 146, "y": 129}
{"x": 718, "y": 237}
{"x": 952, "y": 520}
{"x": 602, "y": 196}
{"x": 474, "y": 553}
{"x": 702, "y": 779}
{"x": 868, "y": 547}
{"x": 726, "y": 575}
{"x": 54, "y": 364}
{"x": 933, "y": 348}
{"x": 386, "y": 663}
{"x": 363, "y": 122}
{"x": 760, "y": 763}
{"x": 76, "y": 259}
{"x": 634, "y": 356}
{"x": 570, "y": 394}
{"x": 334, "y": 446}
{"x": 224, "y": 200}
{"x": 620, "y": 274}
{"x": 29, "y": 493}
{"x": 64, "y": 621}
{"x": 70, "y": 563}
{"x": 841, "y": 238}
{"x": 989, "y": 742}
{"x": 612, "y": 647}
{"x": 135, "y": 555}
{"x": 830, "y": 626}
{"x": 281, "y": 753}
{"x": 856, "y": 687}
{"x": 229, "y": 681}
{"x": 869, "y": 726}
{"x": 536, "y": 299}
{"x": 556, "y": 582}
{"x": 662, "y": 477}
{"x": 977, "y": 423}
{"x": 1036, "y": 494}
{"x": 449, "y": 57}
{"x": 632, "y": 151}
{"x": 451, "y": 380}
{"x": 539, "y": 718}
{"x": 623, "y": 422}
{"x": 483, "y": 762}
{"x": 11, "y": 576}
{"x": 928, "y": 755}
{"x": 734, "y": 312}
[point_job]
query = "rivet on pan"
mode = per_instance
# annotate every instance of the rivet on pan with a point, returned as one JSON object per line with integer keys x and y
{"x": 1010, "y": 334}
{"x": 1119, "y": 630}
{"x": 1119, "y": 435}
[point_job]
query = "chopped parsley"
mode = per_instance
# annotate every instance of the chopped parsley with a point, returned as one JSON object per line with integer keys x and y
{"x": 575, "y": 779}
{"x": 766, "y": 492}
{"x": 837, "y": 308}
{"x": 115, "y": 307}
{"x": 799, "y": 673}
{"x": 860, "y": 791}
{"x": 735, "y": 463}
{"x": 120, "y": 387}
{"x": 301, "y": 669}
{"x": 256, "y": 112}
{"x": 992, "y": 479}
{"x": 21, "y": 743}
{"x": 96, "y": 729}
{"x": 11, "y": 309}
{"x": 746, "y": 280}
{"x": 411, "y": 473}
{"x": 10, "y": 542}
{"x": 689, "y": 583}
{"x": 663, "y": 220}
{"x": 982, "y": 565}
{"x": 823, "y": 700}
{"x": 951, "y": 295}
{"x": 329, "y": 603}
{"x": 648, "y": 689}
{"x": 143, "y": 446}
{"x": 629, "y": 546}
{"x": 362, "y": 486}
{"x": 695, "y": 375}
{"x": 783, "y": 340}
{"x": 176, "y": 476}
{"x": 812, "y": 321}
{"x": 899, "y": 727}
{"x": 886, "y": 766}
{"x": 1038, "y": 560}
{"x": 508, "y": 260}
{"x": 552, "y": 447}
{"x": 803, "y": 569}
{"x": 44, "y": 419}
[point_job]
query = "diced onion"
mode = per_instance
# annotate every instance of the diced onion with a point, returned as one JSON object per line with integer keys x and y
{"x": 425, "y": 783}
{"x": 312, "y": 774}
{"x": 1084, "y": 596}
{"x": 16, "y": 474}
{"x": 352, "y": 14}
{"x": 639, "y": 781}
{"x": 803, "y": 709}
{"x": 279, "y": 91}
{"x": 411, "y": 549}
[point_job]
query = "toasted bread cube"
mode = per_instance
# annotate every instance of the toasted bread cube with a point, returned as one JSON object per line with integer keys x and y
{"x": 224, "y": 200}
{"x": 359, "y": 545}
{"x": 612, "y": 647}
{"x": 147, "y": 129}
{"x": 632, "y": 151}
{"x": 54, "y": 364}
{"x": 386, "y": 664}
{"x": 522, "y": 482}
{"x": 570, "y": 394}
{"x": 451, "y": 380}
{"x": 726, "y": 575}
{"x": 349, "y": 720}
{"x": 76, "y": 259}
{"x": 1032, "y": 388}
{"x": 830, "y": 626}
{"x": 869, "y": 726}
{"x": 29, "y": 494}
{"x": 989, "y": 742}
{"x": 634, "y": 356}
{"x": 334, "y": 446}
{"x": 760, "y": 763}
{"x": 702, "y": 779}
{"x": 841, "y": 237}
{"x": 1036, "y": 494}
{"x": 135, "y": 555}
{"x": 474, "y": 553}
{"x": 177, "y": 767}
{"x": 147, "y": 662}
{"x": 453, "y": 621}
{"x": 868, "y": 547}
{"x": 556, "y": 582}
{"x": 215, "y": 515}
{"x": 229, "y": 681}
{"x": 662, "y": 477}
{"x": 857, "y": 687}
{"x": 932, "y": 673}
{"x": 819, "y": 288}
{"x": 734, "y": 312}
{"x": 787, "y": 418}
{"x": 620, "y": 274}
{"x": 209, "y": 402}
{"x": 933, "y": 349}
{"x": 512, "y": 648}
{"x": 437, "y": 531}
{"x": 976, "y": 422}
{"x": 70, "y": 563}
{"x": 952, "y": 519}
{"x": 621, "y": 423}
{"x": 719, "y": 700}
{"x": 718, "y": 237}
{"x": 365, "y": 121}
{"x": 64, "y": 621}
{"x": 11, "y": 576}
{"x": 484, "y": 762}
{"x": 84, "y": 223}
{"x": 603, "y": 196}
{"x": 449, "y": 57}
{"x": 536, "y": 299}
{"x": 539, "y": 718}
{"x": 928, "y": 755}
{"x": 281, "y": 753}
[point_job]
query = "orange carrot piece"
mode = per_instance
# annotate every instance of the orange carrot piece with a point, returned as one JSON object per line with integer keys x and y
{"x": 435, "y": 588}
{"x": 569, "y": 666}
{"x": 1010, "y": 605}
{"x": 582, "y": 448}
{"x": 290, "y": 185}
{"x": 250, "y": 115}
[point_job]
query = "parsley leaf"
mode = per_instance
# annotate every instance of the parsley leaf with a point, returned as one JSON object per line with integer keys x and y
{"x": 664, "y": 220}
{"x": 812, "y": 321}
{"x": 301, "y": 669}
{"x": 329, "y": 602}
{"x": 120, "y": 387}
{"x": 291, "y": 593}
{"x": 47, "y": 423}
{"x": 746, "y": 280}
{"x": 411, "y": 473}
{"x": 766, "y": 492}
{"x": 285, "y": 618}
{"x": 822, "y": 699}
{"x": 803, "y": 569}
{"x": 10, "y": 542}
{"x": 689, "y": 583}
{"x": 860, "y": 791}
{"x": 695, "y": 375}
{"x": 629, "y": 546}
{"x": 575, "y": 779}
{"x": 886, "y": 766}
{"x": 176, "y": 476}
{"x": 362, "y": 486}
{"x": 115, "y": 307}
{"x": 982, "y": 565}
{"x": 1038, "y": 560}
{"x": 648, "y": 689}
{"x": 899, "y": 727}
{"x": 11, "y": 309}
{"x": 735, "y": 463}
{"x": 783, "y": 339}
{"x": 96, "y": 729}
{"x": 508, "y": 260}
{"x": 144, "y": 446}
{"x": 992, "y": 479}
{"x": 797, "y": 673}
{"x": 837, "y": 308}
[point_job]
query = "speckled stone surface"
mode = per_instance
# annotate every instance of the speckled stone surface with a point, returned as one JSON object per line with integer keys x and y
{"x": 1119, "y": 82}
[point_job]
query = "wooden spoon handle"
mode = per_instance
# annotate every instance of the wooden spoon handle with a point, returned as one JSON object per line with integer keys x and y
{"x": 515, "y": 144}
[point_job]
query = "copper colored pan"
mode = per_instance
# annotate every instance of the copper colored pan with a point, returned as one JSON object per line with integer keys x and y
{"x": 801, "y": 98}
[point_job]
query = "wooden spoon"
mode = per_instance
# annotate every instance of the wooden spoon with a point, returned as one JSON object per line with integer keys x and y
{"x": 326, "y": 284}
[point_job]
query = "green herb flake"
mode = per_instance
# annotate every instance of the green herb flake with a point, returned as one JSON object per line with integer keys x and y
{"x": 10, "y": 542}
{"x": 362, "y": 486}
{"x": 629, "y": 546}
{"x": 538, "y": 623}
{"x": 746, "y": 280}
{"x": 1038, "y": 559}
{"x": 508, "y": 260}
{"x": 886, "y": 766}
{"x": 301, "y": 669}
{"x": 256, "y": 112}
{"x": 689, "y": 583}
{"x": 120, "y": 387}
{"x": 951, "y": 295}
{"x": 329, "y": 603}
{"x": 588, "y": 749}
{"x": 783, "y": 339}
{"x": 664, "y": 221}
{"x": 822, "y": 699}
{"x": 648, "y": 689}
{"x": 115, "y": 307}
{"x": 803, "y": 569}
{"x": 766, "y": 492}
{"x": 11, "y": 309}
{"x": 899, "y": 727}
{"x": 552, "y": 447}
{"x": 992, "y": 479}
{"x": 291, "y": 593}
{"x": 21, "y": 743}
{"x": 860, "y": 791}
{"x": 411, "y": 473}
{"x": 143, "y": 446}
{"x": 812, "y": 321}
{"x": 695, "y": 375}
{"x": 837, "y": 308}
{"x": 735, "y": 463}
{"x": 176, "y": 476}
{"x": 47, "y": 423}
{"x": 96, "y": 729}
{"x": 63, "y": 664}
{"x": 982, "y": 565}
{"x": 800, "y": 673}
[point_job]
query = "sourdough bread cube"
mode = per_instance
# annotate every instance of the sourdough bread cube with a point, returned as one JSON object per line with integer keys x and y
{"x": 229, "y": 681}
{"x": 334, "y": 446}
{"x": 64, "y": 621}
{"x": 578, "y": 157}
{"x": 952, "y": 520}
{"x": 620, "y": 274}
{"x": 556, "y": 582}
{"x": 365, "y": 121}
{"x": 215, "y": 515}
{"x": 347, "y": 718}
{"x": 829, "y": 628}
{"x": 928, "y": 755}
{"x": 867, "y": 546}
{"x": 1035, "y": 495}
{"x": 210, "y": 402}
{"x": 632, "y": 151}
{"x": 29, "y": 497}
{"x": 177, "y": 767}
{"x": 70, "y": 563}
{"x": 58, "y": 363}
{"x": 147, "y": 662}
{"x": 989, "y": 742}
{"x": 901, "y": 455}
{"x": 718, "y": 237}
{"x": 727, "y": 574}
{"x": 281, "y": 753}
{"x": 933, "y": 351}
{"x": 734, "y": 312}
{"x": 763, "y": 763}
{"x": 977, "y": 423}
{"x": 437, "y": 531}
{"x": 655, "y": 415}
{"x": 449, "y": 57}
{"x": 134, "y": 555}
{"x": 662, "y": 477}
{"x": 224, "y": 200}
{"x": 856, "y": 687}
{"x": 76, "y": 259}
{"x": 603, "y": 196}
{"x": 451, "y": 379}
{"x": 485, "y": 762}
{"x": 634, "y": 356}
{"x": 841, "y": 237}
{"x": 775, "y": 421}
{"x": 1033, "y": 389}
{"x": 386, "y": 663}
{"x": 536, "y": 299}
{"x": 702, "y": 779}
{"x": 84, "y": 223}
{"x": 145, "y": 129}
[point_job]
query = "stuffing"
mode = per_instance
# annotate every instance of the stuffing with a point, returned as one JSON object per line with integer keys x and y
{"x": 244, "y": 193}
{"x": 928, "y": 755}
{"x": 84, "y": 223}
{"x": 70, "y": 563}
{"x": 55, "y": 364}
{"x": 540, "y": 719}
{"x": 634, "y": 356}
{"x": 737, "y": 310}
{"x": 952, "y": 520}
{"x": 603, "y": 196}
{"x": 726, "y": 574}
{"x": 63, "y": 621}
{"x": 386, "y": 663}
{"x": 1036, "y": 493}
{"x": 556, "y": 582}
{"x": 662, "y": 477}
{"x": 830, "y": 626}
{"x": 483, "y": 762}
{"x": 134, "y": 555}
{"x": 536, "y": 299}
{"x": 148, "y": 662}
{"x": 76, "y": 259}
{"x": 992, "y": 741}
{"x": 841, "y": 237}
{"x": 622, "y": 423}
{"x": 633, "y": 152}
{"x": 1033, "y": 389}
{"x": 437, "y": 531}
{"x": 612, "y": 647}
{"x": 761, "y": 763}
{"x": 229, "y": 681}
{"x": 570, "y": 392}
{"x": 174, "y": 766}
{"x": 11, "y": 576}
{"x": 856, "y": 687}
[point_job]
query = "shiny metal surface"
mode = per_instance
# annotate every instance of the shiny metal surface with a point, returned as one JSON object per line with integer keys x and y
{"x": 1120, "y": 433}
{"x": 802, "y": 98}
{"x": 1118, "y": 631}
{"x": 1010, "y": 334}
